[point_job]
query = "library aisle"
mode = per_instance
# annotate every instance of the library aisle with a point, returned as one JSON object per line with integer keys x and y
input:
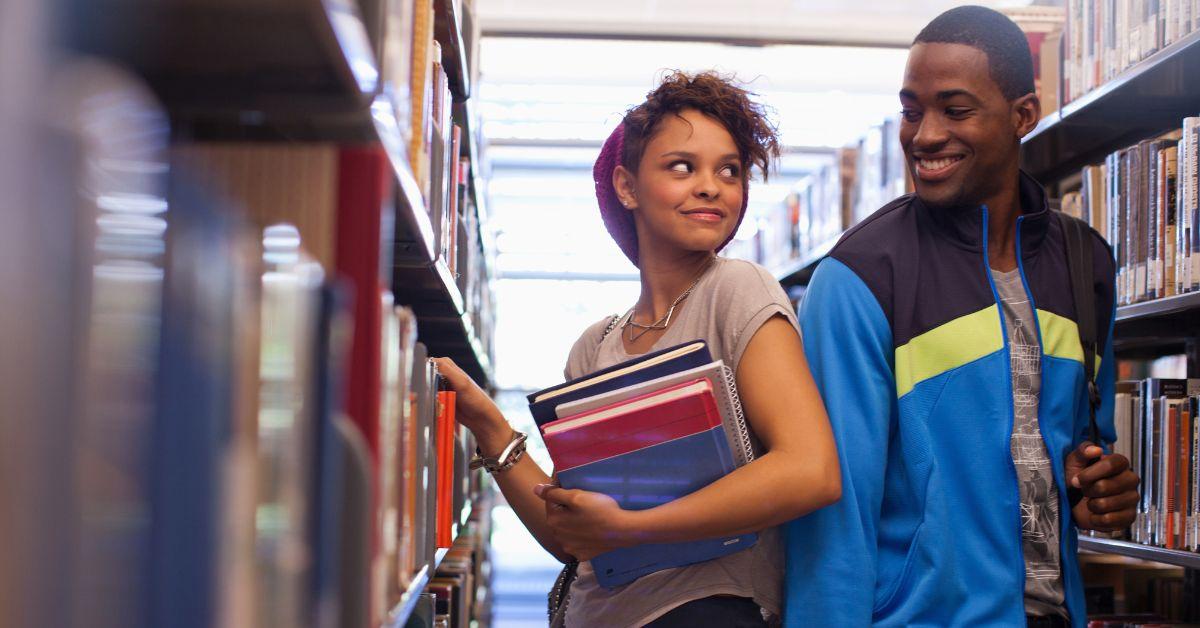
{"x": 234, "y": 234}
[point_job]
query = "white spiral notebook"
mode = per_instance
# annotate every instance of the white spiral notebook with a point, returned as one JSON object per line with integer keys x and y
{"x": 742, "y": 442}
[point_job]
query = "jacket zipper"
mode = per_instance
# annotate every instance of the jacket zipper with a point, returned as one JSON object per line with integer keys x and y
{"x": 1059, "y": 490}
{"x": 1016, "y": 481}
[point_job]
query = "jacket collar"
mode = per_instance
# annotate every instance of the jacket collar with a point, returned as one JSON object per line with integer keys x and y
{"x": 964, "y": 225}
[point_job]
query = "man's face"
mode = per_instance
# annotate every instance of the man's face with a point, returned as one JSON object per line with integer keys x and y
{"x": 959, "y": 133}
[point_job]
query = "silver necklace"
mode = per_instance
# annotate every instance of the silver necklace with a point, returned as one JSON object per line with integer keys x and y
{"x": 665, "y": 321}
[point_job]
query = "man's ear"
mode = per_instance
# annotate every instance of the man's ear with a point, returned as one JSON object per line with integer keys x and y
{"x": 1026, "y": 111}
{"x": 623, "y": 183}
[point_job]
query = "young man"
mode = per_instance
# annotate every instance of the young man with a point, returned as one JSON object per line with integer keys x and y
{"x": 942, "y": 334}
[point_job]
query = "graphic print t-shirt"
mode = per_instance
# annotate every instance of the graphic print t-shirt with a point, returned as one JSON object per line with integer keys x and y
{"x": 1039, "y": 497}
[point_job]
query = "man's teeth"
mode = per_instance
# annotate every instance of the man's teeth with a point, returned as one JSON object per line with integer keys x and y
{"x": 938, "y": 164}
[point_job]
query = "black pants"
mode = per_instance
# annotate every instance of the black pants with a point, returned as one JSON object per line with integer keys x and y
{"x": 720, "y": 610}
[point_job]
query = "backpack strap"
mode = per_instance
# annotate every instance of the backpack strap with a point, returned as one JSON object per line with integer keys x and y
{"x": 1078, "y": 238}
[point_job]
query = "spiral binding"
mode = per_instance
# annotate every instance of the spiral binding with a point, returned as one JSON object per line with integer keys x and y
{"x": 742, "y": 436}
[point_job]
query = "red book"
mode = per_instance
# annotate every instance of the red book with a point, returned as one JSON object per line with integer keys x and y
{"x": 363, "y": 194}
{"x": 364, "y": 189}
{"x": 1171, "y": 440}
{"x": 626, "y": 426}
{"x": 445, "y": 468}
{"x": 1183, "y": 476}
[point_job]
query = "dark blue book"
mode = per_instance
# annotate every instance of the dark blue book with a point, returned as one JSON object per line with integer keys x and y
{"x": 195, "y": 426}
{"x": 643, "y": 368}
{"x": 645, "y": 452}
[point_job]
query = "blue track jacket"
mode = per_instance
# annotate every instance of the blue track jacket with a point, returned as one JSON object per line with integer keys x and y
{"x": 905, "y": 338}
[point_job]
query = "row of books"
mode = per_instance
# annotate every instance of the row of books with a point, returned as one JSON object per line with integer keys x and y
{"x": 437, "y": 137}
{"x": 1158, "y": 431}
{"x": 646, "y": 432}
{"x": 1103, "y": 38}
{"x": 461, "y": 584}
{"x": 302, "y": 183}
{"x": 257, "y": 437}
{"x": 1145, "y": 199}
{"x": 859, "y": 179}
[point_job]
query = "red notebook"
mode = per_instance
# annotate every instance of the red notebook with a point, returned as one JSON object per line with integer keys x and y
{"x": 445, "y": 468}
{"x": 633, "y": 424}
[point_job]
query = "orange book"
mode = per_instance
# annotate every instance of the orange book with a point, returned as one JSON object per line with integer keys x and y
{"x": 1183, "y": 479}
{"x": 445, "y": 469}
{"x": 1171, "y": 433}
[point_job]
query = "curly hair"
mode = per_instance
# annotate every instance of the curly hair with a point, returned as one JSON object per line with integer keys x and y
{"x": 715, "y": 96}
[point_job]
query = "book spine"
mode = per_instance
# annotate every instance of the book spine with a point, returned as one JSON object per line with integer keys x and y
{"x": 1194, "y": 402}
{"x": 1180, "y": 218}
{"x": 1158, "y": 477}
{"x": 1170, "y": 210}
{"x": 1192, "y": 178}
{"x": 1151, "y": 240}
{"x": 1170, "y": 473}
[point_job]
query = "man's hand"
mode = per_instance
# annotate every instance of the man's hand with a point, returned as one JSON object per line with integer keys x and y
{"x": 1108, "y": 486}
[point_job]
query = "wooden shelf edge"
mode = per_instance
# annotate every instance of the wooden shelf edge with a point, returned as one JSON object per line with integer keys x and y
{"x": 1190, "y": 560}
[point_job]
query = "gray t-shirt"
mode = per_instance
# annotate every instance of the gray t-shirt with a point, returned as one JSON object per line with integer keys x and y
{"x": 1039, "y": 496}
{"x": 730, "y": 303}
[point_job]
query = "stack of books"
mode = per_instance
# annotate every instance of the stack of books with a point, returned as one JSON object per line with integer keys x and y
{"x": 647, "y": 432}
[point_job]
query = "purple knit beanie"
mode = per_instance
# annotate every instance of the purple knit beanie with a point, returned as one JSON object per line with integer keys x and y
{"x": 619, "y": 220}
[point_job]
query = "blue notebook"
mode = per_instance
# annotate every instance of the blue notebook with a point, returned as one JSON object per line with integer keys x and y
{"x": 645, "y": 452}
{"x": 643, "y": 368}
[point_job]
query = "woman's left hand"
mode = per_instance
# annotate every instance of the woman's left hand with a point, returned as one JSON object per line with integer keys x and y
{"x": 586, "y": 524}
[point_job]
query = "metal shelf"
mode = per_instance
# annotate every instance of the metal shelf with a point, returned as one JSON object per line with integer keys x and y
{"x": 399, "y": 615}
{"x": 800, "y": 270}
{"x": 1152, "y": 96}
{"x": 1190, "y": 560}
{"x": 1160, "y": 309}
{"x": 248, "y": 56}
{"x": 1159, "y": 327}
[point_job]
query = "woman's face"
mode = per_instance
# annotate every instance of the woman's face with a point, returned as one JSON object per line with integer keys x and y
{"x": 688, "y": 190}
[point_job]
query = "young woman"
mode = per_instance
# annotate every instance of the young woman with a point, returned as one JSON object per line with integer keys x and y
{"x": 672, "y": 183}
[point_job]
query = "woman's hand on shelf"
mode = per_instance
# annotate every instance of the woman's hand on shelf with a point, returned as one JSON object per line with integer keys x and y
{"x": 475, "y": 409}
{"x": 587, "y": 524}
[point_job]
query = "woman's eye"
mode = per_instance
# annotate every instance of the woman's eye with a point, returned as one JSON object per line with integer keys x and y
{"x": 680, "y": 166}
{"x": 730, "y": 171}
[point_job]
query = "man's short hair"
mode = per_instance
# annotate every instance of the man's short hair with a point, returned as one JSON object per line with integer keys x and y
{"x": 1009, "y": 60}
